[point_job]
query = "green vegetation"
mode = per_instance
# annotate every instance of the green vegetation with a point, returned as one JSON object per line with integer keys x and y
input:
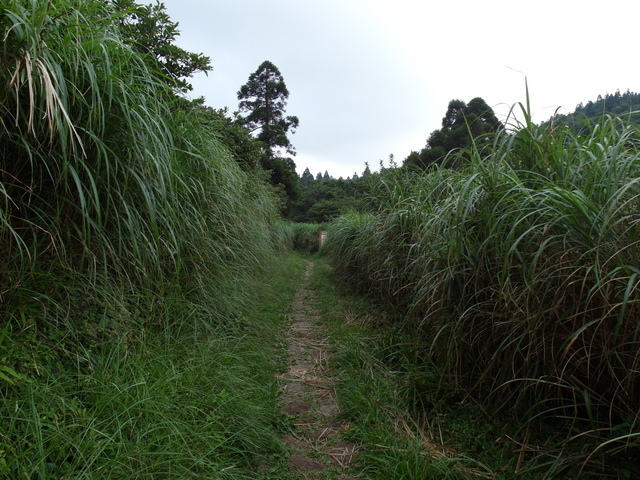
{"x": 132, "y": 248}
{"x": 463, "y": 126}
{"x": 518, "y": 274}
{"x": 263, "y": 99}
{"x": 586, "y": 116}
{"x": 140, "y": 404}
{"x": 150, "y": 31}
{"x": 383, "y": 378}
{"x": 324, "y": 199}
{"x": 139, "y": 336}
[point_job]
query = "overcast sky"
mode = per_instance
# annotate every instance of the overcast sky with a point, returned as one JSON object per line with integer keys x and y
{"x": 370, "y": 78}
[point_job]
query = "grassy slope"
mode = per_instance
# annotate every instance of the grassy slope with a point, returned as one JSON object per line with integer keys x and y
{"x": 130, "y": 243}
{"x": 519, "y": 273}
{"x": 409, "y": 418}
{"x": 193, "y": 405}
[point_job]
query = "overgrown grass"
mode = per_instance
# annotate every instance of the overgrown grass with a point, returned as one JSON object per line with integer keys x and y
{"x": 520, "y": 273}
{"x": 382, "y": 382}
{"x": 151, "y": 405}
{"x": 302, "y": 236}
{"x": 105, "y": 178}
{"x": 130, "y": 248}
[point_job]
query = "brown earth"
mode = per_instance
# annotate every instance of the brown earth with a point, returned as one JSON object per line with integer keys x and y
{"x": 316, "y": 443}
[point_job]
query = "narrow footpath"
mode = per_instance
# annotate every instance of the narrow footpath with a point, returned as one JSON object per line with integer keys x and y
{"x": 316, "y": 443}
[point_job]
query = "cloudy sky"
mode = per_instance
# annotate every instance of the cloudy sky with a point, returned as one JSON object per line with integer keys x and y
{"x": 370, "y": 78}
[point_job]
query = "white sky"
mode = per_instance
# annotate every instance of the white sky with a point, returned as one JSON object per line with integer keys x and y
{"x": 370, "y": 78}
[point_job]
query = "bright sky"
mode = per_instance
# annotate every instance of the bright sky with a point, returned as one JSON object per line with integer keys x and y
{"x": 370, "y": 78}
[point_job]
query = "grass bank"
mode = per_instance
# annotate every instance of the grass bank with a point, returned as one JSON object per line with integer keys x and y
{"x": 392, "y": 395}
{"x": 147, "y": 404}
{"x": 518, "y": 273}
{"x": 132, "y": 248}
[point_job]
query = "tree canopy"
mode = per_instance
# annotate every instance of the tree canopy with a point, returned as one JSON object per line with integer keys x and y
{"x": 263, "y": 100}
{"x": 462, "y": 125}
{"x": 151, "y": 32}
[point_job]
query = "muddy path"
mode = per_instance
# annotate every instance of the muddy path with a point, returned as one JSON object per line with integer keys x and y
{"x": 317, "y": 445}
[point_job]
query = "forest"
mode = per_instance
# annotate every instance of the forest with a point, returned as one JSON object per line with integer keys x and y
{"x": 152, "y": 247}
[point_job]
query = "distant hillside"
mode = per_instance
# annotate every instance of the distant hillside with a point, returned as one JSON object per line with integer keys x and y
{"x": 624, "y": 105}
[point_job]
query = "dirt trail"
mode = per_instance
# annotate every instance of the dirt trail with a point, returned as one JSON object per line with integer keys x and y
{"x": 316, "y": 443}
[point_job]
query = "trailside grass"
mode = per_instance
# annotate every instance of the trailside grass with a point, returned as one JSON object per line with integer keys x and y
{"x": 517, "y": 272}
{"x": 148, "y": 404}
{"x": 383, "y": 388}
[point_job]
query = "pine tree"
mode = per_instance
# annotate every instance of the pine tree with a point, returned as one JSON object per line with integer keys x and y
{"x": 263, "y": 99}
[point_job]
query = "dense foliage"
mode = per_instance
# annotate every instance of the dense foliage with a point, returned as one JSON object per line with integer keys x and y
{"x": 587, "y": 115}
{"x": 463, "y": 125}
{"x": 128, "y": 235}
{"x": 324, "y": 198}
{"x": 263, "y": 100}
{"x": 150, "y": 31}
{"x": 519, "y": 272}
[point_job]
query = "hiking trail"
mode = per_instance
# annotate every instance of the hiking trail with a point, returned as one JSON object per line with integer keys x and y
{"x": 316, "y": 442}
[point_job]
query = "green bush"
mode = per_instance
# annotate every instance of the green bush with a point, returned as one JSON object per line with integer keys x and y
{"x": 302, "y": 236}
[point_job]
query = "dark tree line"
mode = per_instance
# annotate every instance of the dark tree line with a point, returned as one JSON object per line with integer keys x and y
{"x": 462, "y": 125}
{"x": 322, "y": 198}
{"x": 587, "y": 115}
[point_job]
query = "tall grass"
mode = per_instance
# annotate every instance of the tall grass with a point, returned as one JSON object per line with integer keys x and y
{"x": 301, "y": 236}
{"x": 129, "y": 238}
{"x": 99, "y": 173}
{"x": 521, "y": 271}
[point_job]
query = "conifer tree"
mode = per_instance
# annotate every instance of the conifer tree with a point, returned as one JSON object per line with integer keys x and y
{"x": 263, "y": 99}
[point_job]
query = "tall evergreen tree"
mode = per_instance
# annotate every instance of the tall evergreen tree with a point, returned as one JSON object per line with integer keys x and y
{"x": 263, "y": 99}
{"x": 306, "y": 178}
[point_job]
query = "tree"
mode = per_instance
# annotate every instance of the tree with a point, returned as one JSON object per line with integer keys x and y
{"x": 283, "y": 176}
{"x": 462, "y": 125}
{"x": 264, "y": 98}
{"x": 150, "y": 31}
{"x": 306, "y": 178}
